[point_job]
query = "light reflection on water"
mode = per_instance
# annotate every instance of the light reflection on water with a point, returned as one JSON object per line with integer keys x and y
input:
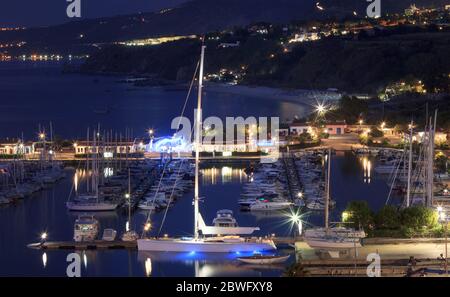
{"x": 222, "y": 175}
{"x": 367, "y": 168}
{"x": 22, "y": 224}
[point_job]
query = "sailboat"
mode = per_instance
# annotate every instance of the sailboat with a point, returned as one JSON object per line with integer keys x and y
{"x": 214, "y": 239}
{"x": 129, "y": 235}
{"x": 332, "y": 239}
{"x": 90, "y": 201}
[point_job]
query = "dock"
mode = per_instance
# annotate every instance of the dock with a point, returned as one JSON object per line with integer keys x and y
{"x": 294, "y": 183}
{"x": 94, "y": 245}
{"x": 117, "y": 244}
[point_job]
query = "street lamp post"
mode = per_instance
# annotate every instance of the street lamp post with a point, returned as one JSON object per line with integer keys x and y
{"x": 443, "y": 219}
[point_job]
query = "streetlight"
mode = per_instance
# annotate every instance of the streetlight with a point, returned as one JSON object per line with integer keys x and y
{"x": 44, "y": 236}
{"x": 300, "y": 195}
{"x": 295, "y": 219}
{"x": 443, "y": 219}
{"x": 345, "y": 216}
{"x": 320, "y": 108}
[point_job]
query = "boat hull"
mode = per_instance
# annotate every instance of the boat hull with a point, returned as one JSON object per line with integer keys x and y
{"x": 333, "y": 245}
{"x": 91, "y": 207}
{"x": 263, "y": 260}
{"x": 163, "y": 245}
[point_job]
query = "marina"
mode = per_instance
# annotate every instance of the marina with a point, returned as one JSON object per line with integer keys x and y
{"x": 139, "y": 200}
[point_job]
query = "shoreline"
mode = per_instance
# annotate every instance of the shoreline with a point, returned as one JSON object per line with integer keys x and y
{"x": 300, "y": 96}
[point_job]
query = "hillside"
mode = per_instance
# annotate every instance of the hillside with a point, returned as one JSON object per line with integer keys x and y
{"x": 195, "y": 17}
{"x": 362, "y": 65}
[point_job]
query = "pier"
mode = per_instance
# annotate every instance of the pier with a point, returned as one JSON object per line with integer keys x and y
{"x": 117, "y": 244}
{"x": 294, "y": 184}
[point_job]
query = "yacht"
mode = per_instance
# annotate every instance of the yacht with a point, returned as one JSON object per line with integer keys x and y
{"x": 215, "y": 239}
{"x": 332, "y": 239}
{"x": 225, "y": 218}
{"x": 86, "y": 228}
{"x": 266, "y": 205}
{"x": 91, "y": 201}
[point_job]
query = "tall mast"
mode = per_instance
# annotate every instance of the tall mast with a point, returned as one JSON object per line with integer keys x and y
{"x": 408, "y": 192}
{"x": 431, "y": 159}
{"x": 87, "y": 152}
{"x": 198, "y": 131}
{"x": 327, "y": 198}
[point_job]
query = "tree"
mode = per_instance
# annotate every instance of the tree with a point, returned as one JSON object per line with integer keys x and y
{"x": 376, "y": 133}
{"x": 441, "y": 163}
{"x": 351, "y": 109}
{"x": 359, "y": 214}
{"x": 388, "y": 218}
{"x": 419, "y": 217}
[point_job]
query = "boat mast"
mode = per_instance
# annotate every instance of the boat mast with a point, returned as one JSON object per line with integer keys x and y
{"x": 327, "y": 198}
{"x": 430, "y": 175}
{"x": 198, "y": 131}
{"x": 129, "y": 199}
{"x": 408, "y": 192}
{"x": 87, "y": 152}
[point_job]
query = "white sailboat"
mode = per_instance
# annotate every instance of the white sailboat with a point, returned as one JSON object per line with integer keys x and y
{"x": 214, "y": 239}
{"x": 332, "y": 239}
{"x": 129, "y": 235}
{"x": 90, "y": 201}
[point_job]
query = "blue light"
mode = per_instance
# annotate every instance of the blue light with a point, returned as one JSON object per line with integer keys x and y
{"x": 238, "y": 253}
{"x": 192, "y": 253}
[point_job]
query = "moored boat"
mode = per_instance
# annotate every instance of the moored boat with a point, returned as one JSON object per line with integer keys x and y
{"x": 261, "y": 259}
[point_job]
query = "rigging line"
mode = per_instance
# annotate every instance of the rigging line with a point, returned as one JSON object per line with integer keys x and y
{"x": 183, "y": 160}
{"x": 182, "y": 113}
{"x": 393, "y": 181}
{"x": 172, "y": 192}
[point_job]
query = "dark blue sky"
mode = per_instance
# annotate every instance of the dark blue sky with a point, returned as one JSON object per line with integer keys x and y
{"x": 46, "y": 12}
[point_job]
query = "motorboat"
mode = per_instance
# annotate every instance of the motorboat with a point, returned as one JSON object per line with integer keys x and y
{"x": 147, "y": 205}
{"x": 86, "y": 228}
{"x": 90, "y": 203}
{"x": 225, "y": 218}
{"x": 267, "y": 205}
{"x": 109, "y": 235}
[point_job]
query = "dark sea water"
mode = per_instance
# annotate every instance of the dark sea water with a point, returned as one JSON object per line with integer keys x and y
{"x": 33, "y": 94}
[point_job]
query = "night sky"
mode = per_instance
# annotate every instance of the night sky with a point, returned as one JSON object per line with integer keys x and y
{"x": 48, "y": 12}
